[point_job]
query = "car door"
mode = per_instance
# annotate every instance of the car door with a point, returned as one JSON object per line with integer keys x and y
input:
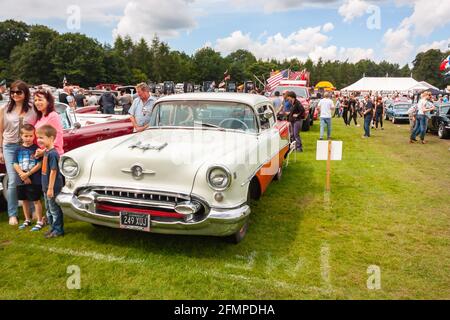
{"x": 268, "y": 144}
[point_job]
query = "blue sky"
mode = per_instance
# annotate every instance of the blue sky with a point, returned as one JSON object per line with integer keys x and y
{"x": 330, "y": 29}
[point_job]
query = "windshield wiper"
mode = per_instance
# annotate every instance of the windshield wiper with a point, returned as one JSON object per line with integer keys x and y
{"x": 205, "y": 124}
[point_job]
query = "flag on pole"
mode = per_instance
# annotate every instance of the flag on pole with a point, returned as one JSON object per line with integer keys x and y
{"x": 64, "y": 81}
{"x": 445, "y": 64}
{"x": 276, "y": 78}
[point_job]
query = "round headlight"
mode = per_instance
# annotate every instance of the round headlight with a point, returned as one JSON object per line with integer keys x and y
{"x": 219, "y": 178}
{"x": 69, "y": 168}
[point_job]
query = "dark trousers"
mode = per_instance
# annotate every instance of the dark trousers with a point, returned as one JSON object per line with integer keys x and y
{"x": 367, "y": 121}
{"x": 354, "y": 116}
{"x": 345, "y": 116}
{"x": 420, "y": 128}
{"x": 54, "y": 215}
{"x": 297, "y": 128}
{"x": 108, "y": 110}
{"x": 379, "y": 118}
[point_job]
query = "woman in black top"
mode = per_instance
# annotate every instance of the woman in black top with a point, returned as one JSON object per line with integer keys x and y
{"x": 296, "y": 119}
{"x": 379, "y": 112}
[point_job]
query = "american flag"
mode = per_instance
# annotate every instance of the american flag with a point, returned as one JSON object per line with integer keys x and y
{"x": 276, "y": 78}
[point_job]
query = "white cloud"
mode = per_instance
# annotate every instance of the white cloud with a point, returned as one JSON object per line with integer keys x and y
{"x": 440, "y": 45}
{"x": 397, "y": 45}
{"x": 270, "y": 6}
{"x": 327, "y": 27}
{"x": 301, "y": 44}
{"x": 145, "y": 18}
{"x": 352, "y": 9}
{"x": 91, "y": 11}
{"x": 428, "y": 15}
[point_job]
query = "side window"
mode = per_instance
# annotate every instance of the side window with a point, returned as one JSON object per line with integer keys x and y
{"x": 263, "y": 121}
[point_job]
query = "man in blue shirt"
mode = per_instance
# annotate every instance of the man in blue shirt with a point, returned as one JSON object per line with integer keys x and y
{"x": 141, "y": 108}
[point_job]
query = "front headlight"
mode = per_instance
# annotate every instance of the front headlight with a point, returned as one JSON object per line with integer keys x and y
{"x": 69, "y": 167}
{"x": 218, "y": 178}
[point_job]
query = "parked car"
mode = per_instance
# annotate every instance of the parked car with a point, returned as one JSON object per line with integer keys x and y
{"x": 439, "y": 121}
{"x": 80, "y": 130}
{"x": 397, "y": 112}
{"x": 193, "y": 172}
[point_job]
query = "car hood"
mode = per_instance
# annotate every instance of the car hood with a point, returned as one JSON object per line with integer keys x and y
{"x": 170, "y": 158}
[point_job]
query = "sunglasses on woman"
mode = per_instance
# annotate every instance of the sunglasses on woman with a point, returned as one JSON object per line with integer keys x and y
{"x": 14, "y": 92}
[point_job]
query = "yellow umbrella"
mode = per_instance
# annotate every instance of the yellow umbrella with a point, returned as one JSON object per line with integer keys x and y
{"x": 325, "y": 85}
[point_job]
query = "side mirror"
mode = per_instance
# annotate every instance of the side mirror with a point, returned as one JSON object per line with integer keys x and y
{"x": 268, "y": 114}
{"x": 77, "y": 125}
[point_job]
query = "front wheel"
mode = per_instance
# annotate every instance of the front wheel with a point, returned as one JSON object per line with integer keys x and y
{"x": 240, "y": 235}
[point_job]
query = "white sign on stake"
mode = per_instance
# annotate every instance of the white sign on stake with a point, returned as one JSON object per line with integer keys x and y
{"x": 322, "y": 151}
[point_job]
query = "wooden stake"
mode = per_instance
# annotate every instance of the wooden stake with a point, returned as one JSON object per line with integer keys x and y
{"x": 328, "y": 186}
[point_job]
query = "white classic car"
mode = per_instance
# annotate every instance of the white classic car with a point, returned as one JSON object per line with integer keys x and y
{"x": 192, "y": 172}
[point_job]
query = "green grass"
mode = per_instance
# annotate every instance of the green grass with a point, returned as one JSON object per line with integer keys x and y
{"x": 389, "y": 207}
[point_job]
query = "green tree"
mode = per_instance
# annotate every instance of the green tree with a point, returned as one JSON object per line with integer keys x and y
{"x": 426, "y": 67}
{"x": 77, "y": 57}
{"x": 209, "y": 65}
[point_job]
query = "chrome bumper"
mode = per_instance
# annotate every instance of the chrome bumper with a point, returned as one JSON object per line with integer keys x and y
{"x": 219, "y": 222}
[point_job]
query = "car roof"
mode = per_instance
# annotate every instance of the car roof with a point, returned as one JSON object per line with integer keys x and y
{"x": 245, "y": 98}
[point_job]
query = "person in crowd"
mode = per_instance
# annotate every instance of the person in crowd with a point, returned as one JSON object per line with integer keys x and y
{"x": 91, "y": 100}
{"x": 2, "y": 89}
{"x": 368, "y": 115}
{"x": 64, "y": 94}
{"x": 80, "y": 99}
{"x": 108, "y": 102}
{"x": 412, "y": 116}
{"x": 353, "y": 109}
{"x": 44, "y": 106}
{"x": 337, "y": 112}
{"x": 424, "y": 106}
{"x": 13, "y": 116}
{"x": 379, "y": 112}
{"x": 277, "y": 102}
{"x": 71, "y": 99}
{"x": 445, "y": 99}
{"x": 125, "y": 101}
{"x": 52, "y": 180}
{"x": 325, "y": 107}
{"x": 285, "y": 107}
{"x": 345, "y": 107}
{"x": 28, "y": 167}
{"x": 296, "y": 117}
{"x": 141, "y": 108}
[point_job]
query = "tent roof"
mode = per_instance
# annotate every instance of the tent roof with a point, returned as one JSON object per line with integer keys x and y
{"x": 385, "y": 84}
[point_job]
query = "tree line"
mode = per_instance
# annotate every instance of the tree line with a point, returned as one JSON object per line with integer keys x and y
{"x": 38, "y": 54}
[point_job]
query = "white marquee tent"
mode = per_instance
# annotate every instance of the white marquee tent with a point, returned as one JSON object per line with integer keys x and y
{"x": 386, "y": 84}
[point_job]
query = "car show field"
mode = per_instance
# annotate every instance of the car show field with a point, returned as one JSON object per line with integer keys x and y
{"x": 387, "y": 212}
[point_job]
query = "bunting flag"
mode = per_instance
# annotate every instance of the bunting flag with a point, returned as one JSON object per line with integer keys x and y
{"x": 445, "y": 64}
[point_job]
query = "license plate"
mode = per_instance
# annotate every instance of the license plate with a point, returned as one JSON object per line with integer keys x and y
{"x": 135, "y": 221}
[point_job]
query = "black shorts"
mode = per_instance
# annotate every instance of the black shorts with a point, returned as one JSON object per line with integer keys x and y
{"x": 29, "y": 192}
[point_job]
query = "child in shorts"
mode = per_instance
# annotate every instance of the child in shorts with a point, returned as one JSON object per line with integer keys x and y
{"x": 29, "y": 170}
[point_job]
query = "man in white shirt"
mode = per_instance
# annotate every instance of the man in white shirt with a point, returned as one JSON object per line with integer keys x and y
{"x": 325, "y": 107}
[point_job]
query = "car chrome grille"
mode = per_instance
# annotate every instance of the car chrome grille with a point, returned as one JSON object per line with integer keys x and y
{"x": 131, "y": 199}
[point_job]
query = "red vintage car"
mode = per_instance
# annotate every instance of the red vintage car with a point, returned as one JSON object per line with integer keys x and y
{"x": 81, "y": 129}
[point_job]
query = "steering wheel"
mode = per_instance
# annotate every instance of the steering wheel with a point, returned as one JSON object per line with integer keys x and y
{"x": 245, "y": 126}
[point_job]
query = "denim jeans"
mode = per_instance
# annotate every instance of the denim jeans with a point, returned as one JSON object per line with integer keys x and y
{"x": 9, "y": 153}
{"x": 54, "y": 215}
{"x": 421, "y": 127}
{"x": 367, "y": 121}
{"x": 379, "y": 119}
{"x": 323, "y": 122}
{"x": 297, "y": 127}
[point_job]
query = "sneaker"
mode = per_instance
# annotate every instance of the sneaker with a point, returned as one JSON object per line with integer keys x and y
{"x": 424, "y": 142}
{"x": 37, "y": 227}
{"x": 320, "y": 138}
{"x": 48, "y": 233}
{"x": 24, "y": 225}
{"x": 13, "y": 221}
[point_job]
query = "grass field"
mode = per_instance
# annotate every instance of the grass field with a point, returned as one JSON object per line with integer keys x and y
{"x": 389, "y": 208}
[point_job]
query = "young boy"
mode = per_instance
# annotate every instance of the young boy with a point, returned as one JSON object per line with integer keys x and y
{"x": 29, "y": 170}
{"x": 52, "y": 180}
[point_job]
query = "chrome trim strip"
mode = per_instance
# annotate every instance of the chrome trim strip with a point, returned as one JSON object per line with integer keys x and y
{"x": 129, "y": 201}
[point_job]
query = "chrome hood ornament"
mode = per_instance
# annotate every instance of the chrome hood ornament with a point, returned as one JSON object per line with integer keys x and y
{"x": 148, "y": 146}
{"x": 138, "y": 172}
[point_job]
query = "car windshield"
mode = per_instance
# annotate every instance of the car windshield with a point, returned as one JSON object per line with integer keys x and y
{"x": 204, "y": 114}
{"x": 299, "y": 91}
{"x": 63, "y": 111}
